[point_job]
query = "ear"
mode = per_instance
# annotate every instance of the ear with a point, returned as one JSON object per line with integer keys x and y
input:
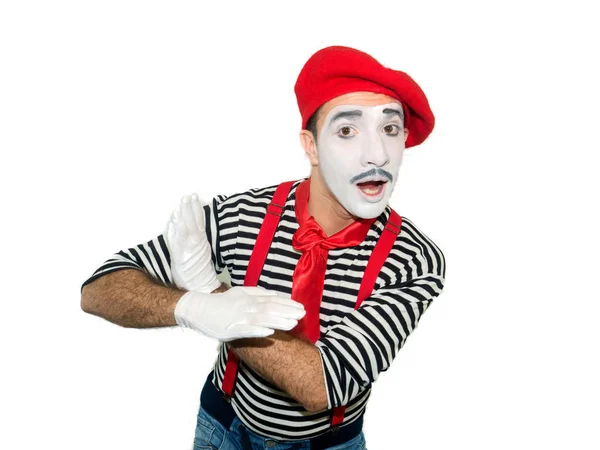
{"x": 309, "y": 145}
{"x": 405, "y": 135}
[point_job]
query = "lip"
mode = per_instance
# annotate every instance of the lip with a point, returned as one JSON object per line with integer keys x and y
{"x": 373, "y": 198}
{"x": 373, "y": 178}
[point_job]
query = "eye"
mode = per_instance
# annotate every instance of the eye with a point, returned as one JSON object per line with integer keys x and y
{"x": 346, "y": 132}
{"x": 391, "y": 130}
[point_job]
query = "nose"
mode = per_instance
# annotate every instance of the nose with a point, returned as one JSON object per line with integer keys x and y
{"x": 374, "y": 152}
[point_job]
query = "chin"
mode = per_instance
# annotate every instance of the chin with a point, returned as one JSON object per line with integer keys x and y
{"x": 365, "y": 210}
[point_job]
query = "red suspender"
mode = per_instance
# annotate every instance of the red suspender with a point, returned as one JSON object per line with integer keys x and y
{"x": 380, "y": 253}
{"x": 337, "y": 416}
{"x": 266, "y": 233}
{"x": 255, "y": 266}
{"x": 230, "y": 374}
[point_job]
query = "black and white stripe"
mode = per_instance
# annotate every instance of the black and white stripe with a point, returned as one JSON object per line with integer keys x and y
{"x": 355, "y": 346}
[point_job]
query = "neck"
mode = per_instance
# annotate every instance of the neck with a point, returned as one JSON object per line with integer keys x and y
{"x": 324, "y": 207}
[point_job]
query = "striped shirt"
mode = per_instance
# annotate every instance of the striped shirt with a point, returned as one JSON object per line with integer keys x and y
{"x": 355, "y": 345}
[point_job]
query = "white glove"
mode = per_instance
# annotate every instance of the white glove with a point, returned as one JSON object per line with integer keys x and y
{"x": 240, "y": 312}
{"x": 191, "y": 263}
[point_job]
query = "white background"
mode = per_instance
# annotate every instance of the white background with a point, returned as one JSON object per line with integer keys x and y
{"x": 110, "y": 111}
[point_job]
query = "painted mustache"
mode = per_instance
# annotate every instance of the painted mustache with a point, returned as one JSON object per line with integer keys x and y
{"x": 373, "y": 173}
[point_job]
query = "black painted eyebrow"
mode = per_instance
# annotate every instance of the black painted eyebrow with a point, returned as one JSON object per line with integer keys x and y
{"x": 390, "y": 111}
{"x": 350, "y": 114}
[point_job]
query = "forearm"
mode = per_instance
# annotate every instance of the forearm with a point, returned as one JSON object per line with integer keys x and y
{"x": 131, "y": 298}
{"x": 291, "y": 364}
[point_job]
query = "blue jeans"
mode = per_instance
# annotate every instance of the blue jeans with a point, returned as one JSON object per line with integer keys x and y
{"x": 211, "y": 435}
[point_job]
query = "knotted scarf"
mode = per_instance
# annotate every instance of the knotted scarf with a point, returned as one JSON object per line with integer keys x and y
{"x": 309, "y": 276}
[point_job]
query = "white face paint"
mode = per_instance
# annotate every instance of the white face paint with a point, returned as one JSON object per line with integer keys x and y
{"x": 360, "y": 148}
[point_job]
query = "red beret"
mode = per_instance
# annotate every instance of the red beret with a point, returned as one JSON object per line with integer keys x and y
{"x": 335, "y": 71}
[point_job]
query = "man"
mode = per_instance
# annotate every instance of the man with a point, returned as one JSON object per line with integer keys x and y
{"x": 296, "y": 373}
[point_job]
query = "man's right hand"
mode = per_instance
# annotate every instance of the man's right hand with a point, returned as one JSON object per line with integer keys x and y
{"x": 241, "y": 312}
{"x": 191, "y": 263}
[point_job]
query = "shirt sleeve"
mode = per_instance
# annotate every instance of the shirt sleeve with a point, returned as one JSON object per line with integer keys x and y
{"x": 366, "y": 341}
{"x": 153, "y": 256}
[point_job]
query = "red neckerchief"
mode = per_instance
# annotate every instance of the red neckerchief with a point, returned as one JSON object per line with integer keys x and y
{"x": 309, "y": 275}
